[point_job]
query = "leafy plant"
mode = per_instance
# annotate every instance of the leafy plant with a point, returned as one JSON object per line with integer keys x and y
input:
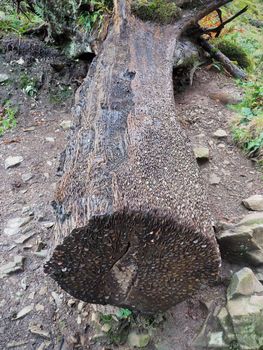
{"x": 7, "y": 117}
{"x": 28, "y": 85}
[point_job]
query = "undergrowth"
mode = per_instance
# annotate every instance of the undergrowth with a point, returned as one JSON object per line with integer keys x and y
{"x": 242, "y": 42}
{"x": 7, "y": 117}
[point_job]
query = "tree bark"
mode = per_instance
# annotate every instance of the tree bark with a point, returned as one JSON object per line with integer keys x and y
{"x": 133, "y": 228}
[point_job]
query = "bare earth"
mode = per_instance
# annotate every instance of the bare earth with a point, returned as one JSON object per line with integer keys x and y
{"x": 66, "y": 321}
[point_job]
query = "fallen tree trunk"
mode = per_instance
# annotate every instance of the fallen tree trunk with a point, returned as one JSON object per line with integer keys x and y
{"x": 134, "y": 227}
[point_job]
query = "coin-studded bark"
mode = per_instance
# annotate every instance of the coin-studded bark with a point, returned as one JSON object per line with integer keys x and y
{"x": 133, "y": 225}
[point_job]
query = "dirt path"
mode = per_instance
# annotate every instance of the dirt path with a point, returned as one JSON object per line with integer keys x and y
{"x": 55, "y": 320}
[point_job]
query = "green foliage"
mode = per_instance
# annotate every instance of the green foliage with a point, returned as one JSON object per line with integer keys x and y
{"x": 28, "y": 85}
{"x": 10, "y": 21}
{"x": 7, "y": 117}
{"x": 246, "y": 42}
{"x": 94, "y": 18}
{"x": 234, "y": 51}
{"x": 161, "y": 11}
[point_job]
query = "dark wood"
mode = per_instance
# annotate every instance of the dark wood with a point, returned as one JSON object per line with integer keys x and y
{"x": 229, "y": 66}
{"x": 133, "y": 228}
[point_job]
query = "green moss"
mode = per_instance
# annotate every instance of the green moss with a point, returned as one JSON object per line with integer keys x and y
{"x": 160, "y": 11}
{"x": 234, "y": 52}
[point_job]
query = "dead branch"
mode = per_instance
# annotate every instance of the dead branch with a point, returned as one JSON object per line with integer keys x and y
{"x": 234, "y": 70}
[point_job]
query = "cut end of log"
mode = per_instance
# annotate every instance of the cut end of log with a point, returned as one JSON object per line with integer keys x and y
{"x": 143, "y": 261}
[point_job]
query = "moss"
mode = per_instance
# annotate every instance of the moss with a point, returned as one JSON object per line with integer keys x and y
{"x": 160, "y": 11}
{"x": 234, "y": 52}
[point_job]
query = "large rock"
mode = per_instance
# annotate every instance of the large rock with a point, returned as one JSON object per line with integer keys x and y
{"x": 244, "y": 283}
{"x": 243, "y": 242}
{"x": 254, "y": 202}
{"x": 14, "y": 266}
{"x": 14, "y": 225}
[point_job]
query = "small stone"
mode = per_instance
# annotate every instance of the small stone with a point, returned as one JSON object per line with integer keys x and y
{"x": 3, "y": 77}
{"x": 71, "y": 302}
{"x": 24, "y": 283}
{"x": 201, "y": 153}
{"x": 14, "y": 225}
{"x": 27, "y": 177}
{"x": 50, "y": 139}
{"x": 244, "y": 283}
{"x": 43, "y": 291}
{"x": 214, "y": 179}
{"x": 81, "y": 305}
{"x": 48, "y": 225}
{"x": 220, "y": 134}
{"x": 216, "y": 340}
{"x": 25, "y": 311}
{"x": 66, "y": 124}
{"x": 38, "y": 330}
{"x": 12, "y": 267}
{"x": 16, "y": 344}
{"x": 39, "y": 307}
{"x": 42, "y": 253}
{"x": 24, "y": 238}
{"x": 11, "y": 162}
{"x": 57, "y": 298}
{"x": 254, "y": 202}
{"x": 20, "y": 61}
{"x": 106, "y": 328}
{"x": 138, "y": 340}
{"x": 79, "y": 320}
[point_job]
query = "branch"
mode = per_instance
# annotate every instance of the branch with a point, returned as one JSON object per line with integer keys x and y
{"x": 235, "y": 71}
{"x": 218, "y": 29}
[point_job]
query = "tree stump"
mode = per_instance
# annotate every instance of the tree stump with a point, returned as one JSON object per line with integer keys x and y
{"x": 133, "y": 224}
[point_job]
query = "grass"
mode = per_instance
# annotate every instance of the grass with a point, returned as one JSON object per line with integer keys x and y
{"x": 11, "y": 22}
{"x": 7, "y": 117}
{"x": 244, "y": 40}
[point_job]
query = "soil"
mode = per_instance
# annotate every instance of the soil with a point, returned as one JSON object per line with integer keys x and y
{"x": 68, "y": 321}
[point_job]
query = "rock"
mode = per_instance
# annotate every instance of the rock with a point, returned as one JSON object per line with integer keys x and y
{"x": 254, "y": 202}
{"x": 226, "y": 324}
{"x": 247, "y": 318}
{"x": 57, "y": 298}
{"x": 24, "y": 283}
{"x": 66, "y": 124}
{"x": 48, "y": 224}
{"x": 243, "y": 242}
{"x": 244, "y": 283}
{"x": 17, "y": 344}
{"x": 25, "y": 311}
{"x": 27, "y": 177}
{"x": 38, "y": 330}
{"x": 106, "y": 328}
{"x": 220, "y": 134}
{"x": 12, "y": 267}
{"x": 216, "y": 340}
{"x": 138, "y": 340}
{"x": 42, "y": 253}
{"x": 11, "y": 162}
{"x": 24, "y": 238}
{"x": 50, "y": 139}
{"x": 201, "y": 153}
{"x": 214, "y": 179}
{"x": 20, "y": 61}
{"x": 3, "y": 77}
{"x": 39, "y": 307}
{"x": 14, "y": 225}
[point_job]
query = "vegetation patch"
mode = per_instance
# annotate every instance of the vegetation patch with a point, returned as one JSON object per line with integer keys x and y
{"x": 7, "y": 117}
{"x": 242, "y": 43}
{"x": 161, "y": 11}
